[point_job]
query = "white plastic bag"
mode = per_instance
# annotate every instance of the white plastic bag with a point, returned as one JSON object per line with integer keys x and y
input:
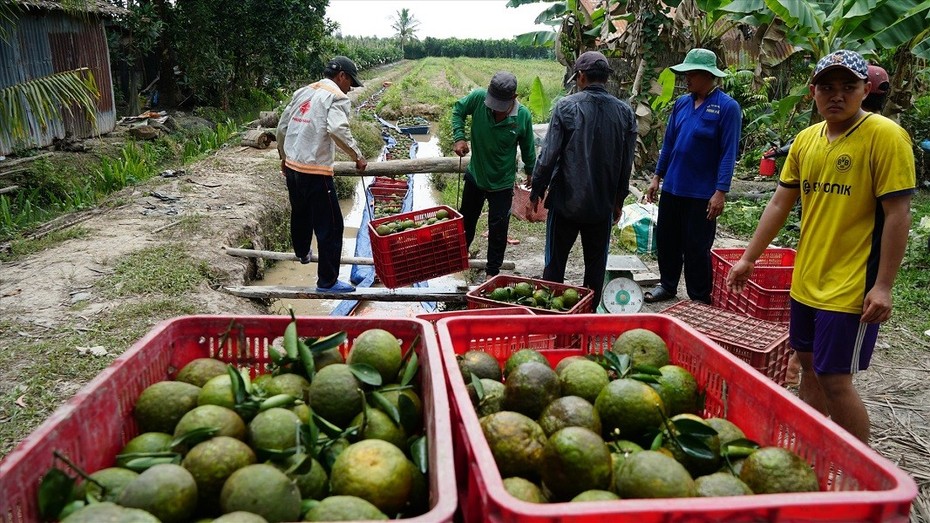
{"x": 636, "y": 229}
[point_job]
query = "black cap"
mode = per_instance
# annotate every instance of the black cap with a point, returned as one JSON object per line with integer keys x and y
{"x": 341, "y": 63}
{"x": 501, "y": 91}
{"x": 590, "y": 60}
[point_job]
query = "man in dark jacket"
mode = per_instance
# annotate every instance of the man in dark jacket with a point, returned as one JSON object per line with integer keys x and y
{"x": 585, "y": 165}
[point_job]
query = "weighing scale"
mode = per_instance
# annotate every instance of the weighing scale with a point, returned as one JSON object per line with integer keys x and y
{"x": 622, "y": 295}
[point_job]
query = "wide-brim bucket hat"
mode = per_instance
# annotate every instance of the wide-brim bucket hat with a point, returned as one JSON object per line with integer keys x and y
{"x": 699, "y": 60}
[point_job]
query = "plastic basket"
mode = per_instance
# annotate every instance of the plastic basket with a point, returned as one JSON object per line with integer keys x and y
{"x": 521, "y": 198}
{"x": 760, "y": 343}
{"x": 386, "y": 181}
{"x": 477, "y": 297}
{"x": 533, "y": 342}
{"x": 97, "y": 422}
{"x": 857, "y": 484}
{"x": 766, "y": 295}
{"x": 419, "y": 254}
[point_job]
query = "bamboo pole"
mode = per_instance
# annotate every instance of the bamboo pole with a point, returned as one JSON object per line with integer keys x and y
{"x": 403, "y": 294}
{"x": 353, "y": 260}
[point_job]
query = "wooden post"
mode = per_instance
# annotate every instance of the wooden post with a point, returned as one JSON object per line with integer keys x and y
{"x": 441, "y": 164}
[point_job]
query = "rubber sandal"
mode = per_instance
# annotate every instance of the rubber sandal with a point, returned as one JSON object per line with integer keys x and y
{"x": 658, "y": 293}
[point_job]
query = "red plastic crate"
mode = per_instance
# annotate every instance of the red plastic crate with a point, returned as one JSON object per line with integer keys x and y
{"x": 521, "y": 196}
{"x": 97, "y": 422}
{"x": 477, "y": 299}
{"x": 760, "y": 343}
{"x": 766, "y": 295}
{"x": 386, "y": 181}
{"x": 434, "y": 317}
{"x": 419, "y": 254}
{"x": 857, "y": 484}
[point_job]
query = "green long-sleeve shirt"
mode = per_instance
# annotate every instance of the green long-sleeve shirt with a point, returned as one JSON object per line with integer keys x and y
{"x": 494, "y": 144}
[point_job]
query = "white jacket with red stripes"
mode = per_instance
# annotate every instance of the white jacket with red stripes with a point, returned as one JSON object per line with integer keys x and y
{"x": 314, "y": 122}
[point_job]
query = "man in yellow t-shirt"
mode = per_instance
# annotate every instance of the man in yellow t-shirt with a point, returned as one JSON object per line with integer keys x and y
{"x": 855, "y": 175}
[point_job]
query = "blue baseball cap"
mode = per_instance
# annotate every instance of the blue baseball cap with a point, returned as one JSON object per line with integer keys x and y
{"x": 845, "y": 59}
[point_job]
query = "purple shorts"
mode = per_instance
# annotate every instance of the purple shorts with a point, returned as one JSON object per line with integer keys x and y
{"x": 840, "y": 342}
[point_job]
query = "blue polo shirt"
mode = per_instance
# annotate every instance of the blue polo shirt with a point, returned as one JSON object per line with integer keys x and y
{"x": 700, "y": 146}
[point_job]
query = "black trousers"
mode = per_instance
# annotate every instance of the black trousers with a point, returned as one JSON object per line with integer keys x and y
{"x": 561, "y": 234}
{"x": 473, "y": 198}
{"x": 315, "y": 210}
{"x": 684, "y": 237}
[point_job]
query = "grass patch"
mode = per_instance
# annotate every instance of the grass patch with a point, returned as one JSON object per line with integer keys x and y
{"x": 27, "y": 246}
{"x": 52, "y": 369}
{"x": 167, "y": 270}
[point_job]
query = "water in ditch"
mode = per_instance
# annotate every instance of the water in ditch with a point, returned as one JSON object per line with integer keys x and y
{"x": 294, "y": 274}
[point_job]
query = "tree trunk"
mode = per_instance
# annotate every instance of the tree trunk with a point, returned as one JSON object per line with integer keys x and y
{"x": 167, "y": 83}
{"x": 259, "y": 139}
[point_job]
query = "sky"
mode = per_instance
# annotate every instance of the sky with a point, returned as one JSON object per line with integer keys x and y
{"x": 481, "y": 19}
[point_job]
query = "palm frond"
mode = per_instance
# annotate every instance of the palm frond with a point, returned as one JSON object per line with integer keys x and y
{"x": 45, "y": 98}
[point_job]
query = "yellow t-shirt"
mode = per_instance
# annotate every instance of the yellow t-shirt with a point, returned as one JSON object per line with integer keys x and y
{"x": 842, "y": 184}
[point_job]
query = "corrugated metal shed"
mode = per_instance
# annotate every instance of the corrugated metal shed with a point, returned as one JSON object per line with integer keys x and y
{"x": 44, "y": 40}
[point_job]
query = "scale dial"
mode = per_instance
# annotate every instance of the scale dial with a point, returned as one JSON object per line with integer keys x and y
{"x": 622, "y": 296}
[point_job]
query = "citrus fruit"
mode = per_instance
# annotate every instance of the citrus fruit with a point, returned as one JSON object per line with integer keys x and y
{"x": 113, "y": 479}
{"x": 441, "y": 214}
{"x": 145, "y": 442}
{"x": 313, "y": 484}
{"x": 273, "y": 429}
{"x": 530, "y": 387}
{"x": 166, "y": 491}
{"x": 523, "y": 356}
{"x": 557, "y": 304}
{"x": 523, "y": 289}
{"x": 517, "y": 443}
{"x": 289, "y": 383}
{"x": 726, "y": 430}
{"x": 583, "y": 378}
{"x": 261, "y": 489}
{"x": 211, "y": 462}
{"x": 334, "y": 394}
{"x": 239, "y": 516}
{"x": 500, "y": 294}
{"x": 565, "y": 362}
{"x": 678, "y": 389}
{"x": 569, "y": 411}
{"x": 375, "y": 471}
{"x": 383, "y": 230}
{"x": 393, "y": 396}
{"x": 623, "y": 449}
{"x": 771, "y": 470}
{"x": 212, "y": 416}
{"x": 595, "y": 495}
{"x": 650, "y": 474}
{"x": 379, "y": 425}
{"x": 163, "y": 403}
{"x": 479, "y": 363}
{"x": 327, "y": 357}
{"x": 720, "y": 484}
{"x": 576, "y": 459}
{"x": 344, "y": 508}
{"x": 380, "y": 349}
{"x": 97, "y": 512}
{"x": 570, "y": 298}
{"x": 217, "y": 391}
{"x": 643, "y": 346}
{"x": 629, "y": 406}
{"x": 493, "y": 400}
{"x": 524, "y": 490}
{"x": 418, "y": 501}
{"x": 696, "y": 466}
{"x": 200, "y": 370}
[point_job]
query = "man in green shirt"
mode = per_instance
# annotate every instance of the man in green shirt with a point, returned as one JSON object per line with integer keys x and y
{"x": 498, "y": 124}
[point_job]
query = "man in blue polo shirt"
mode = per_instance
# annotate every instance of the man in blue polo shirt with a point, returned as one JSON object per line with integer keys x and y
{"x": 695, "y": 168}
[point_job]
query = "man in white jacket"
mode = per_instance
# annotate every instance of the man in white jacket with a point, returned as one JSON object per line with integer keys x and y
{"x": 314, "y": 122}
